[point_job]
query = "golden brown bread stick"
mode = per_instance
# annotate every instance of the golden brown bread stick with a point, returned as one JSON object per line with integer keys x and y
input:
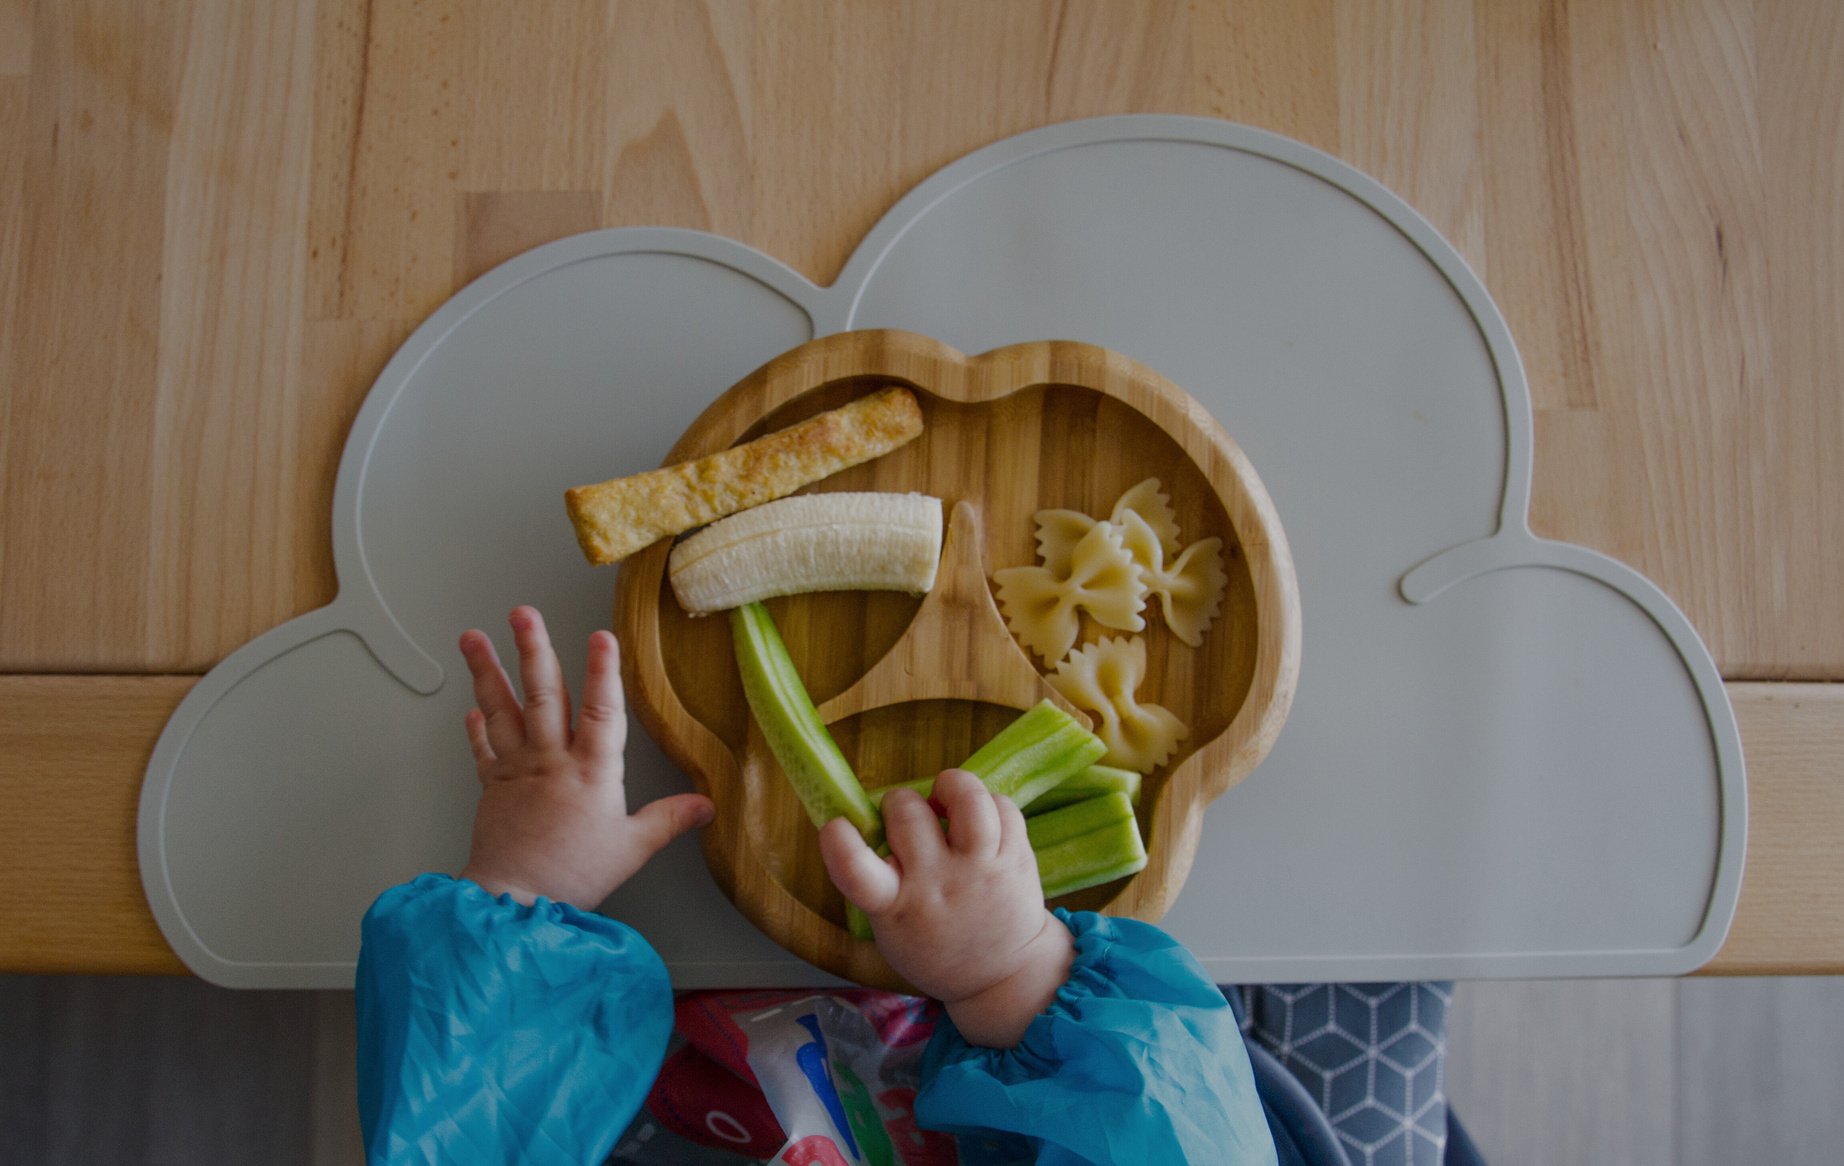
{"x": 616, "y": 518}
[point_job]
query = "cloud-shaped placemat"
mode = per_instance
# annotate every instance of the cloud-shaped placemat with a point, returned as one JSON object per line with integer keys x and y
{"x": 1506, "y": 756}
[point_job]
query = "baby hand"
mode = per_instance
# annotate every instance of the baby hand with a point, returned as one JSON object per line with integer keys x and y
{"x": 961, "y": 917}
{"x": 553, "y": 817}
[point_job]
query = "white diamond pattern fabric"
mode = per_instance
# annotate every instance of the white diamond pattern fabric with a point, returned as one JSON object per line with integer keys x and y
{"x": 1372, "y": 1055}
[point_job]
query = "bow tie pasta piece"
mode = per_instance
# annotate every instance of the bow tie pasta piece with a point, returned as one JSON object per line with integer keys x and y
{"x": 1103, "y": 678}
{"x": 1148, "y": 500}
{"x": 1101, "y": 578}
{"x": 1058, "y": 532}
{"x": 1191, "y": 590}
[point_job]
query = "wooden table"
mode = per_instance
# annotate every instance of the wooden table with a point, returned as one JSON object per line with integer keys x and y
{"x": 217, "y": 219}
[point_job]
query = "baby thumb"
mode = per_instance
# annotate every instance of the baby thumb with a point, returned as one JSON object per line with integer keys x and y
{"x": 663, "y": 820}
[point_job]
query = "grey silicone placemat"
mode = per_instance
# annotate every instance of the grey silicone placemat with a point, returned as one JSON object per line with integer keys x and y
{"x": 1507, "y": 757}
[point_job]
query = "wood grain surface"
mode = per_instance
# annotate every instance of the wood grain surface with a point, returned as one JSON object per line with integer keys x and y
{"x": 70, "y": 782}
{"x": 1006, "y": 433}
{"x": 75, "y": 748}
{"x": 1790, "y": 917}
{"x": 218, "y": 219}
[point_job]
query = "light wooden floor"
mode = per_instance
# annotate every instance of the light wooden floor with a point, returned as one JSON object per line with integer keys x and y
{"x": 1705, "y": 1072}
{"x": 1699, "y": 1072}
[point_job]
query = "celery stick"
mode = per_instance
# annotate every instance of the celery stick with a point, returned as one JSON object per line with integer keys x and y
{"x": 819, "y": 773}
{"x": 1034, "y": 753}
{"x": 1091, "y": 782}
{"x": 1111, "y": 851}
{"x": 1046, "y": 738}
{"x": 1057, "y": 826}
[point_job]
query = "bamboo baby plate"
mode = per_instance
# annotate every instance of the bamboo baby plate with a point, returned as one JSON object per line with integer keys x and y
{"x": 910, "y": 686}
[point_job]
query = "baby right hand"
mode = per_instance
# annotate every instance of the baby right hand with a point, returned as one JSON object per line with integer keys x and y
{"x": 960, "y": 916}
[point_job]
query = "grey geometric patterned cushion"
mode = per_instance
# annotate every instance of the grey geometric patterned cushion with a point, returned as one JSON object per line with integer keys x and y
{"x": 1372, "y": 1055}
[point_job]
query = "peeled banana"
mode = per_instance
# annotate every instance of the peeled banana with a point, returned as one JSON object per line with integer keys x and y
{"x": 810, "y": 542}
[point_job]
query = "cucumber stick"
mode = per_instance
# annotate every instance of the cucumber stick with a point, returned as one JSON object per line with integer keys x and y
{"x": 1047, "y": 737}
{"x": 1113, "y": 852}
{"x": 1059, "y": 826}
{"x": 1034, "y": 753}
{"x": 922, "y": 785}
{"x": 821, "y": 776}
{"x": 1086, "y": 844}
{"x": 1090, "y": 783}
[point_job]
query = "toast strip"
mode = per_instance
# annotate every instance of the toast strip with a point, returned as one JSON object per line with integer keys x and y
{"x": 616, "y": 518}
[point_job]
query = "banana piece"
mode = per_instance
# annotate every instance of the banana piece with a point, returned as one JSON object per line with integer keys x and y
{"x": 810, "y": 542}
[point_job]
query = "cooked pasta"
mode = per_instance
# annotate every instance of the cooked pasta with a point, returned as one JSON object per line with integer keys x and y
{"x": 1099, "y": 577}
{"x": 1188, "y": 581}
{"x": 1104, "y": 678}
{"x": 1190, "y": 589}
{"x": 1148, "y": 500}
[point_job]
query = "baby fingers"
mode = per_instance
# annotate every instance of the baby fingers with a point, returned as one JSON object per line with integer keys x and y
{"x": 504, "y": 724}
{"x": 601, "y": 732}
{"x": 972, "y": 813}
{"x": 912, "y": 829}
{"x": 867, "y": 881}
{"x": 477, "y": 741}
{"x": 547, "y": 715}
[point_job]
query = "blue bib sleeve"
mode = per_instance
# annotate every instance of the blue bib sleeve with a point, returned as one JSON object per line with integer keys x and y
{"x": 1138, "y": 1059}
{"x": 495, "y": 1032}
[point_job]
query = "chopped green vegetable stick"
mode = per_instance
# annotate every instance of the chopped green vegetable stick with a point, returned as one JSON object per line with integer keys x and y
{"x": 809, "y": 756}
{"x": 922, "y": 785}
{"x": 858, "y": 923}
{"x": 1099, "y": 856}
{"x": 1047, "y": 737}
{"x": 1057, "y": 826}
{"x": 1091, "y": 782}
{"x": 1082, "y": 876}
{"x": 1036, "y": 752}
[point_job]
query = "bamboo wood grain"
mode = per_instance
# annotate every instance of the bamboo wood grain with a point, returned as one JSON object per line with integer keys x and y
{"x": 957, "y": 647}
{"x": 1012, "y": 431}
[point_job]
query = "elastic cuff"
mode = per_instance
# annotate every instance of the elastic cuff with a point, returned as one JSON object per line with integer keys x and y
{"x": 414, "y": 907}
{"x": 1116, "y": 959}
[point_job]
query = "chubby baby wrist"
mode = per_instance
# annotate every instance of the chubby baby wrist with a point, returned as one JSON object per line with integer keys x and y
{"x": 997, "y": 1015}
{"x": 496, "y": 886}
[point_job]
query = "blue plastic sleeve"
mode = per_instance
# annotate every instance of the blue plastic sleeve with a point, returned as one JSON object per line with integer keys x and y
{"x": 492, "y": 1032}
{"x": 1138, "y": 1059}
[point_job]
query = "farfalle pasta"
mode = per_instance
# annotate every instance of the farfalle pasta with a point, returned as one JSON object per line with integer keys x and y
{"x": 1189, "y": 581}
{"x": 1096, "y": 574}
{"x": 1104, "y": 679}
{"x": 1147, "y": 499}
{"x": 1058, "y": 532}
{"x": 1190, "y": 589}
